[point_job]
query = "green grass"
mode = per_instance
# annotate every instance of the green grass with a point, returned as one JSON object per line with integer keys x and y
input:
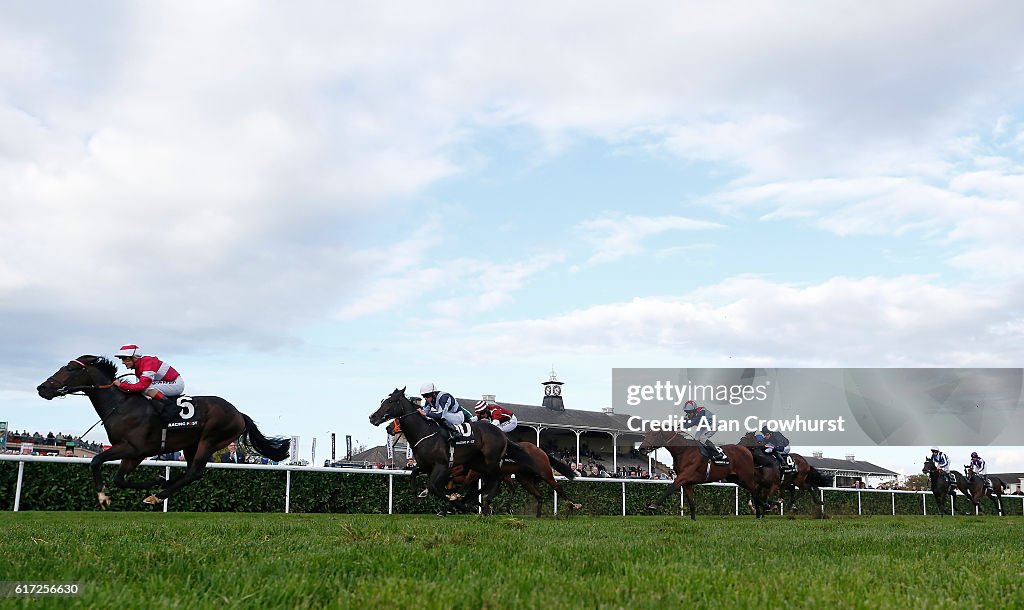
{"x": 244, "y": 560}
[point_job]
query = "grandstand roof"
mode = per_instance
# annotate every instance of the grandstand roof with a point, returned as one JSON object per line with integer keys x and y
{"x": 1009, "y": 477}
{"x": 575, "y": 419}
{"x": 858, "y": 466}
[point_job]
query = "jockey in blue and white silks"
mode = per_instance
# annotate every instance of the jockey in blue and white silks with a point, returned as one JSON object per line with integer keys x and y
{"x": 776, "y": 444}
{"x": 941, "y": 460}
{"x": 703, "y": 422}
{"x": 441, "y": 406}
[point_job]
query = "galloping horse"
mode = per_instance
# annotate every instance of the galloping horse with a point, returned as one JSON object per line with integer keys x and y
{"x": 525, "y": 475}
{"x": 806, "y": 478}
{"x": 135, "y": 429}
{"x": 692, "y": 468}
{"x": 432, "y": 451}
{"x": 941, "y": 487}
{"x": 973, "y": 487}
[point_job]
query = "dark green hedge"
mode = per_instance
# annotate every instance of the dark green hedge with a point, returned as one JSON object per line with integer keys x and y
{"x": 53, "y": 486}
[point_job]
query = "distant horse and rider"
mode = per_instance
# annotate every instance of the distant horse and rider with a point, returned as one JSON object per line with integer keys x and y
{"x": 137, "y": 429}
{"x": 801, "y": 475}
{"x": 973, "y": 487}
{"x": 693, "y": 466}
{"x": 484, "y": 453}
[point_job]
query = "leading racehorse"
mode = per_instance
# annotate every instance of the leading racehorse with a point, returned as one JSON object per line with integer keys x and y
{"x": 692, "y": 468}
{"x": 136, "y": 431}
{"x": 941, "y": 486}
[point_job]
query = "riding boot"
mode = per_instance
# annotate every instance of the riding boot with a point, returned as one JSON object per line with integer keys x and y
{"x": 165, "y": 408}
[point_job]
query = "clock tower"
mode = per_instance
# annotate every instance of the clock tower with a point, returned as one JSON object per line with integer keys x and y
{"x": 553, "y": 393}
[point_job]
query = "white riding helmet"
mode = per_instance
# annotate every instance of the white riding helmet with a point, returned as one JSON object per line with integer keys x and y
{"x": 428, "y": 388}
{"x": 935, "y": 448}
{"x": 129, "y": 351}
{"x": 690, "y": 406}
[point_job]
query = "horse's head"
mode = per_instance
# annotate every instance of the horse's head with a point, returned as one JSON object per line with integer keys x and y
{"x": 654, "y": 439}
{"x": 82, "y": 373}
{"x": 395, "y": 405}
{"x": 929, "y": 465}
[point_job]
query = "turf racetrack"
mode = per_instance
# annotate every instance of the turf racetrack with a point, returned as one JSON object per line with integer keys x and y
{"x": 241, "y": 560}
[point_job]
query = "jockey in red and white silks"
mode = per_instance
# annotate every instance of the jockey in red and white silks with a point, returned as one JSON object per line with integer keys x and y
{"x": 156, "y": 378}
{"x": 501, "y": 417}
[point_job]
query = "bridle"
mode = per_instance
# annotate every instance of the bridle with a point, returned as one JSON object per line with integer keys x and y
{"x": 80, "y": 389}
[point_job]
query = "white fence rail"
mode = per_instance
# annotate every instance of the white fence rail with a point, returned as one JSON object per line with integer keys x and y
{"x": 391, "y": 474}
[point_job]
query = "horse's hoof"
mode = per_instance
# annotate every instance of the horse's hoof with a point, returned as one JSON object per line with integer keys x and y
{"x": 651, "y": 508}
{"x": 151, "y": 500}
{"x": 454, "y": 497}
{"x": 442, "y": 513}
{"x": 104, "y": 500}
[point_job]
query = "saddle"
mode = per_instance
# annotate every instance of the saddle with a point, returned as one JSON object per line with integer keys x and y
{"x": 460, "y": 435}
{"x": 718, "y": 460}
{"x": 177, "y": 412}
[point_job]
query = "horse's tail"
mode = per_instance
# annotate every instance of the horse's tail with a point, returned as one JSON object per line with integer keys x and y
{"x": 276, "y": 448}
{"x": 817, "y": 479}
{"x": 561, "y": 467}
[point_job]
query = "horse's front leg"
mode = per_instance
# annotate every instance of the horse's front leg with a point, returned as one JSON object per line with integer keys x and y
{"x": 96, "y": 465}
{"x": 670, "y": 489}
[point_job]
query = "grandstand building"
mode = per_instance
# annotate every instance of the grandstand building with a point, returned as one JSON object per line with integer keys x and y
{"x": 1014, "y": 481}
{"x": 850, "y": 471}
{"x": 602, "y": 437}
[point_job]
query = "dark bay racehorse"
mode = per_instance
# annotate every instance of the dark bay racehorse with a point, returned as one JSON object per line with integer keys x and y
{"x": 941, "y": 487}
{"x": 692, "y": 468}
{"x": 973, "y": 486}
{"x": 525, "y": 475}
{"x": 135, "y": 429}
{"x": 806, "y": 478}
{"x": 432, "y": 451}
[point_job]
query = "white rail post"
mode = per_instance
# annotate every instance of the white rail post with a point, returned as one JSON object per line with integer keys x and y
{"x": 287, "y": 491}
{"x": 681, "y": 495}
{"x": 858, "y": 503}
{"x": 737, "y": 488}
{"x": 391, "y": 494}
{"x": 894, "y": 504}
{"x": 623, "y": 498}
{"x": 17, "y": 490}
{"x": 924, "y": 504}
{"x": 556, "y": 501}
{"x": 167, "y": 477}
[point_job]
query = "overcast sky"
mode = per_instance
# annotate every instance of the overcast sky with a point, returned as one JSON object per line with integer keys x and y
{"x": 302, "y": 207}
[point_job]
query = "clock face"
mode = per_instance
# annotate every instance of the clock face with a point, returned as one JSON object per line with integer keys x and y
{"x": 556, "y": 390}
{"x": 548, "y": 391}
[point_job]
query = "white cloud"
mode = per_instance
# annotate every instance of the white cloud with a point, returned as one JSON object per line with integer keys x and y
{"x": 614, "y": 237}
{"x": 872, "y": 321}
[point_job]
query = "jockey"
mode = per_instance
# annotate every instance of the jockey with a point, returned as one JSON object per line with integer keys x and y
{"x": 700, "y": 418}
{"x": 501, "y": 417}
{"x": 941, "y": 461}
{"x": 442, "y": 407}
{"x": 980, "y": 469}
{"x": 156, "y": 379}
{"x": 778, "y": 445}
